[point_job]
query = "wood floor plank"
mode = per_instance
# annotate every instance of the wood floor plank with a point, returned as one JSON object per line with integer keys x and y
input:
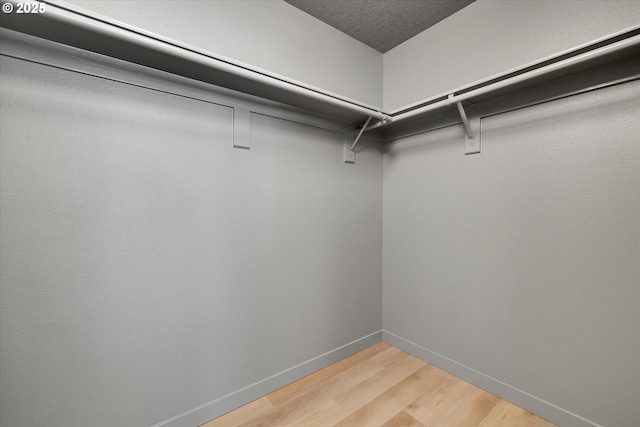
{"x": 434, "y": 397}
{"x": 388, "y": 356}
{"x": 319, "y": 392}
{"x": 449, "y": 406}
{"x": 364, "y": 392}
{"x": 403, "y": 419}
{"x": 327, "y": 414}
{"x": 508, "y": 414}
{"x": 294, "y": 389}
{"x": 242, "y": 414}
{"x": 478, "y": 409}
{"x": 380, "y": 386}
{"x": 385, "y": 406}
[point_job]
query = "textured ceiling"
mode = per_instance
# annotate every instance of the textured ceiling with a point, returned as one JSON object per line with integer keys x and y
{"x": 381, "y": 24}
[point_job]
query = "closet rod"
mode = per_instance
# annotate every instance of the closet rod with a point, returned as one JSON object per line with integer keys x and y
{"x": 71, "y": 19}
{"x": 472, "y": 91}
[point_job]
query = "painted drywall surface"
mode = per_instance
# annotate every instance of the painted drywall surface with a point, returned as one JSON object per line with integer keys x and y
{"x": 269, "y": 34}
{"x": 522, "y": 262}
{"x": 492, "y": 36}
{"x": 148, "y": 267}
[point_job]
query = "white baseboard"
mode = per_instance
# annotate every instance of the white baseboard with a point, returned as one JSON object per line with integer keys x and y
{"x": 224, "y": 404}
{"x": 531, "y": 403}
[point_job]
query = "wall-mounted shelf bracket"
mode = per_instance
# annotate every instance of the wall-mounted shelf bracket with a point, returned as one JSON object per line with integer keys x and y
{"x": 349, "y": 156}
{"x": 241, "y": 127}
{"x": 471, "y": 129}
{"x": 355, "y": 142}
{"x": 349, "y": 153}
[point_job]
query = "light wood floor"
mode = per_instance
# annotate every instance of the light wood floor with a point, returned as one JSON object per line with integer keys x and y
{"x": 380, "y": 386}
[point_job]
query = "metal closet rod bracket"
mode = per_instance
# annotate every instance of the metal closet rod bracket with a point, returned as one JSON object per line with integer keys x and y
{"x": 349, "y": 153}
{"x": 471, "y": 139}
{"x": 355, "y": 142}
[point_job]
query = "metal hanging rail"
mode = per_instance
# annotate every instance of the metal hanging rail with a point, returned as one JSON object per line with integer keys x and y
{"x": 625, "y": 41}
{"x": 70, "y": 25}
{"x": 67, "y": 24}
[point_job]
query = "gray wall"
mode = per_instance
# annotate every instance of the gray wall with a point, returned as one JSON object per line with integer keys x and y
{"x": 148, "y": 267}
{"x": 269, "y": 34}
{"x": 519, "y": 266}
{"x": 492, "y": 36}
